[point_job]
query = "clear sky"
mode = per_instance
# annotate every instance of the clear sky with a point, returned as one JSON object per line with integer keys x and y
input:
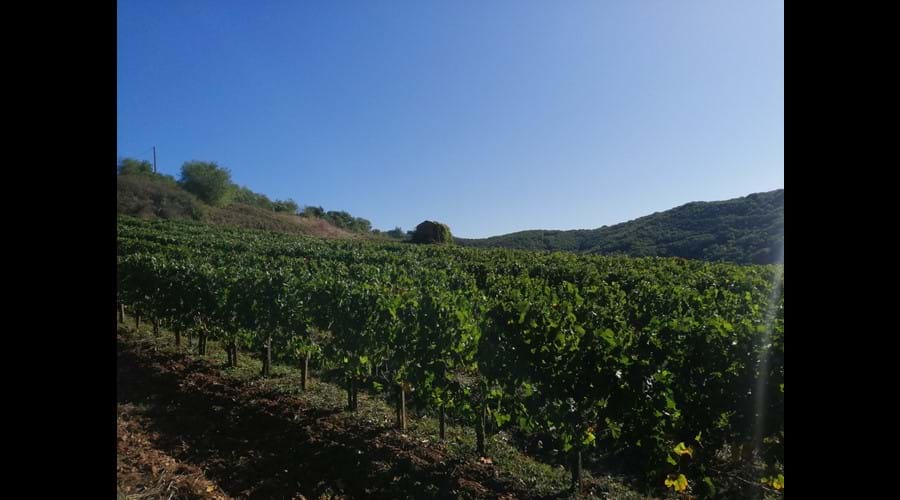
{"x": 490, "y": 116}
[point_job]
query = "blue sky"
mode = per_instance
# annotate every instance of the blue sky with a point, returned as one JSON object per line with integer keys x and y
{"x": 490, "y": 116}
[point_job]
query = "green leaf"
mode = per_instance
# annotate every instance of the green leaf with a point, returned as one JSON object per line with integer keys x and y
{"x": 567, "y": 442}
{"x": 678, "y": 483}
{"x": 589, "y": 438}
{"x": 560, "y": 339}
{"x": 671, "y": 460}
{"x": 681, "y": 449}
{"x": 778, "y": 482}
{"x": 614, "y": 428}
{"x": 670, "y": 403}
{"x": 609, "y": 336}
{"x": 523, "y": 423}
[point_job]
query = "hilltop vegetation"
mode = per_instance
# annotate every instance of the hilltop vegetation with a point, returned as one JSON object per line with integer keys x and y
{"x": 206, "y": 193}
{"x": 748, "y": 230}
{"x": 432, "y": 232}
{"x": 150, "y": 197}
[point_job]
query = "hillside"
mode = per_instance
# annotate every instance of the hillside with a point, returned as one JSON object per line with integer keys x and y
{"x": 249, "y": 217}
{"x": 747, "y": 230}
{"x": 742, "y": 230}
{"x": 160, "y": 197}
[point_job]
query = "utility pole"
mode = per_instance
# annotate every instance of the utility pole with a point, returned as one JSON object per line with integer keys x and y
{"x": 154, "y": 159}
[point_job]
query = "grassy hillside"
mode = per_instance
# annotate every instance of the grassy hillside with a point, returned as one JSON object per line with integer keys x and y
{"x": 742, "y": 230}
{"x": 249, "y": 217}
{"x": 160, "y": 197}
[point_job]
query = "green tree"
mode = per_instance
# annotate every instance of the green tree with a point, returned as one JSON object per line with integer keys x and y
{"x": 340, "y": 219}
{"x": 208, "y": 181}
{"x": 396, "y": 233}
{"x": 245, "y": 195}
{"x": 361, "y": 225}
{"x": 153, "y": 195}
{"x": 131, "y": 166}
{"x": 287, "y": 205}
{"x": 432, "y": 232}
{"x": 317, "y": 212}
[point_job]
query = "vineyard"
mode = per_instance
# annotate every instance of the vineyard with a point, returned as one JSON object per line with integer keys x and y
{"x": 671, "y": 368}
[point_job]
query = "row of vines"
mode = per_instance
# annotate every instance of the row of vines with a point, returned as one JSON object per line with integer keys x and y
{"x": 661, "y": 363}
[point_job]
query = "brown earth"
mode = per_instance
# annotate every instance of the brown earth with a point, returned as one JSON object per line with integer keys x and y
{"x": 188, "y": 431}
{"x": 146, "y": 472}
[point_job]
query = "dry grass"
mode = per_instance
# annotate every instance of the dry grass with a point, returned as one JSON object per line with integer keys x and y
{"x": 249, "y": 217}
{"x": 143, "y": 471}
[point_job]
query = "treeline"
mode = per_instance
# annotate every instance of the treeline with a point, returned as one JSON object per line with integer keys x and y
{"x": 340, "y": 219}
{"x": 144, "y": 192}
{"x": 747, "y": 230}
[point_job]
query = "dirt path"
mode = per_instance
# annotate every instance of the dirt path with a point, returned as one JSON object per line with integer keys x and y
{"x": 180, "y": 418}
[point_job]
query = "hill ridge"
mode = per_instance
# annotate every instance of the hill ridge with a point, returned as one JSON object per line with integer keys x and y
{"x": 744, "y": 230}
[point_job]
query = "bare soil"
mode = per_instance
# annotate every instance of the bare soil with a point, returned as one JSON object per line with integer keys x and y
{"x": 187, "y": 431}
